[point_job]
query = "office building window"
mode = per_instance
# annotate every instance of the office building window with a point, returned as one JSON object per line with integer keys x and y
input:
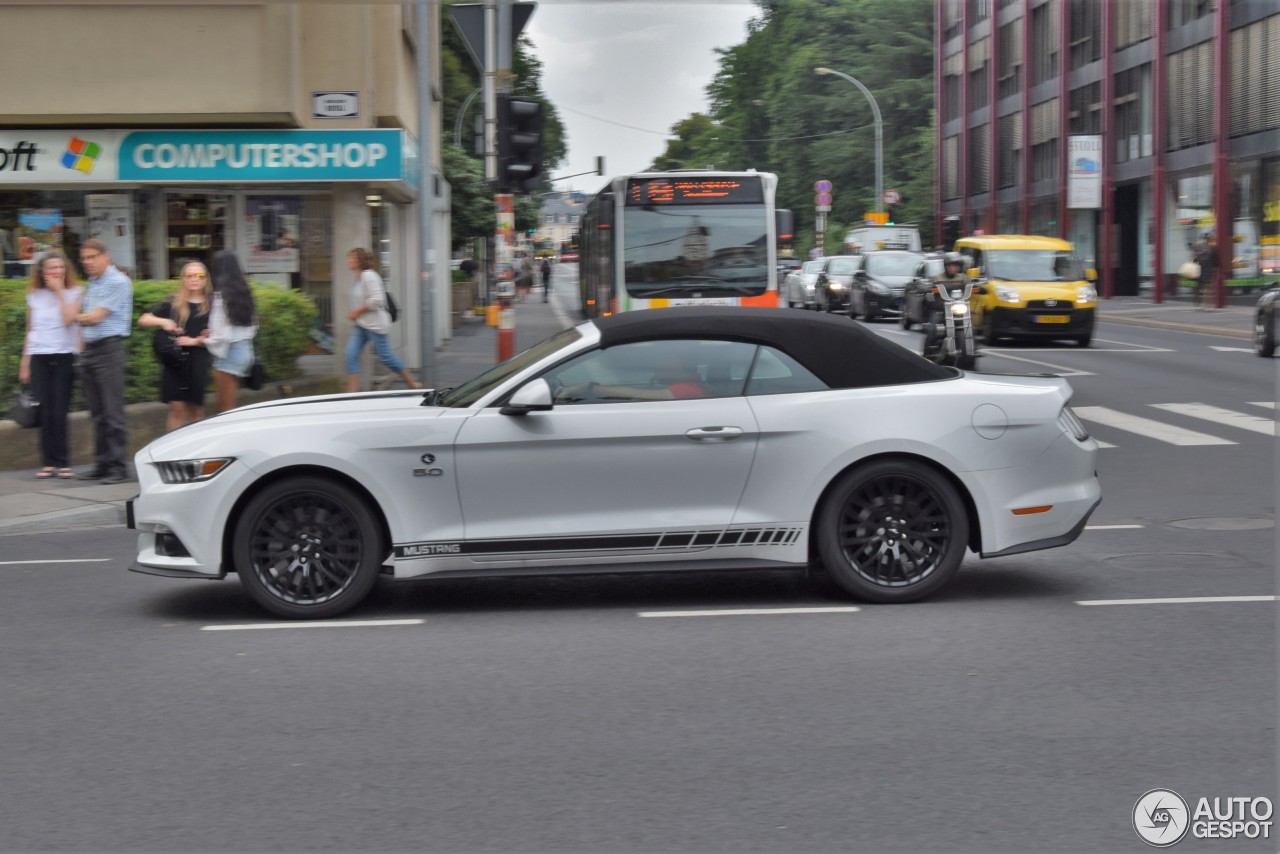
{"x": 1044, "y": 140}
{"x": 952, "y": 17}
{"x": 1009, "y": 152}
{"x": 979, "y": 69}
{"x": 1009, "y": 79}
{"x": 1086, "y": 32}
{"x": 951, "y": 167}
{"x": 1189, "y": 94}
{"x": 1132, "y": 131}
{"x": 952, "y": 79}
{"x": 1185, "y": 11}
{"x": 1085, "y": 112}
{"x": 1044, "y": 42}
{"x": 979, "y": 10}
{"x": 1135, "y": 21}
{"x": 1255, "y": 85}
{"x": 979, "y": 159}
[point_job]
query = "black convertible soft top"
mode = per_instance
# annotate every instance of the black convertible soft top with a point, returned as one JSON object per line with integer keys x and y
{"x": 841, "y": 353}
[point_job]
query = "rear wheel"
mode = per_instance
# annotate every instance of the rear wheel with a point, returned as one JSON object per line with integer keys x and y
{"x": 892, "y": 531}
{"x": 1264, "y": 335}
{"x": 308, "y": 547}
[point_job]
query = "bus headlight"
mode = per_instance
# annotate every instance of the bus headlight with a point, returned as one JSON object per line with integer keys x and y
{"x": 959, "y": 309}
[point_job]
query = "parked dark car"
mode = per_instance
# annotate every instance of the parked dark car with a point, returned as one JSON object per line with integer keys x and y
{"x": 915, "y": 299}
{"x": 831, "y": 289}
{"x": 880, "y": 283}
{"x": 1264, "y": 321}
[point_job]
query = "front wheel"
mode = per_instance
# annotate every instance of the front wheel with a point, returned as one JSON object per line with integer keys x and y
{"x": 966, "y": 359}
{"x": 892, "y": 531}
{"x": 904, "y": 320}
{"x": 989, "y": 334}
{"x": 308, "y": 547}
{"x": 1264, "y": 336}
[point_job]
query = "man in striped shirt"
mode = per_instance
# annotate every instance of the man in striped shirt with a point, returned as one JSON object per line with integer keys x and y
{"x": 106, "y": 316}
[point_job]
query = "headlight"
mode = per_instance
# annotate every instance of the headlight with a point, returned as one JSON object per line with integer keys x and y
{"x": 1007, "y": 294}
{"x": 1071, "y": 423}
{"x": 877, "y": 288}
{"x": 1086, "y": 295}
{"x": 192, "y": 471}
{"x": 835, "y": 286}
{"x": 959, "y": 309}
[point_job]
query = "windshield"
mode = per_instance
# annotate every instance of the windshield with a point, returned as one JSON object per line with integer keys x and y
{"x": 843, "y": 267}
{"x": 472, "y": 390}
{"x": 708, "y": 249}
{"x": 1034, "y": 265}
{"x": 891, "y": 265}
{"x": 813, "y": 266}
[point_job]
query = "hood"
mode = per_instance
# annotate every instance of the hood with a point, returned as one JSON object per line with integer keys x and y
{"x": 895, "y": 282}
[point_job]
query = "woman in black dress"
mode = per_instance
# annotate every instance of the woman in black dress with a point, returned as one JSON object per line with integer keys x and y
{"x": 186, "y": 316}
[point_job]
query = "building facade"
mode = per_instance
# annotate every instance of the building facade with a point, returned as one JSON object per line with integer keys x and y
{"x": 285, "y": 132}
{"x": 1133, "y": 128}
{"x": 561, "y": 213}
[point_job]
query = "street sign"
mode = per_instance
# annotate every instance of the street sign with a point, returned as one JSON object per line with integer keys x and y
{"x": 876, "y": 217}
{"x": 892, "y": 197}
{"x": 823, "y": 186}
{"x": 822, "y": 199}
{"x": 335, "y": 105}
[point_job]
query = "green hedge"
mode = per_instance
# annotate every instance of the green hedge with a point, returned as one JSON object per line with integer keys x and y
{"x": 284, "y": 324}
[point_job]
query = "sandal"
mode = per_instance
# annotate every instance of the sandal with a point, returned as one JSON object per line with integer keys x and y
{"x": 45, "y": 473}
{"x": 66, "y": 474}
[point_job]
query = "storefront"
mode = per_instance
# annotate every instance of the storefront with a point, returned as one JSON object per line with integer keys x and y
{"x": 289, "y": 203}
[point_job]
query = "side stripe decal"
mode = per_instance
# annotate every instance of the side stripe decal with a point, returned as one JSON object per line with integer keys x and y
{"x": 662, "y": 541}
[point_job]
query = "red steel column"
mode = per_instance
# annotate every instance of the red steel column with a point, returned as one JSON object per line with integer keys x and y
{"x": 1158, "y": 141}
{"x": 1224, "y": 222}
{"x": 1026, "y": 117}
{"x": 1064, "y": 98}
{"x": 940, "y": 117}
{"x": 993, "y": 133}
{"x": 1105, "y": 271}
{"x": 963, "y": 156}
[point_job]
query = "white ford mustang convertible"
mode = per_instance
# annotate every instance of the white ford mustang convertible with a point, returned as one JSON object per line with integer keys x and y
{"x": 674, "y": 439}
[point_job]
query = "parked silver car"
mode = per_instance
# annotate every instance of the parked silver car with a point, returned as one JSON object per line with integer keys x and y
{"x": 797, "y": 288}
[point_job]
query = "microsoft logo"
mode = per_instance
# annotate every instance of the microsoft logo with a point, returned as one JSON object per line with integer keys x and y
{"x": 81, "y": 155}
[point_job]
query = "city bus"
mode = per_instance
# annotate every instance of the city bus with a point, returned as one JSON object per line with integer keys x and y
{"x": 659, "y": 239}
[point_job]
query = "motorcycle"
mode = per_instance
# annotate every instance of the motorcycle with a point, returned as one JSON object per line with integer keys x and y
{"x": 948, "y": 335}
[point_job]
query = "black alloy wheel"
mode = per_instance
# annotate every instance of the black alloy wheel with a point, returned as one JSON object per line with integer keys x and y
{"x": 892, "y": 531}
{"x": 308, "y": 547}
{"x": 1264, "y": 334}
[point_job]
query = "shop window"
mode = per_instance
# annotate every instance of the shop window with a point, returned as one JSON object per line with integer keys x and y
{"x": 195, "y": 228}
{"x": 35, "y": 221}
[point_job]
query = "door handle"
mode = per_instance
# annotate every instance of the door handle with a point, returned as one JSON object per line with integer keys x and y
{"x": 714, "y": 434}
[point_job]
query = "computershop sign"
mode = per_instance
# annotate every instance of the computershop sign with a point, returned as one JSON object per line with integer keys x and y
{"x": 225, "y": 157}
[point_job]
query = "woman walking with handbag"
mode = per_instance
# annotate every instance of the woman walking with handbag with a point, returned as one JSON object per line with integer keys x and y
{"x": 233, "y": 323}
{"x": 49, "y": 355}
{"x": 182, "y": 322}
{"x": 369, "y": 313}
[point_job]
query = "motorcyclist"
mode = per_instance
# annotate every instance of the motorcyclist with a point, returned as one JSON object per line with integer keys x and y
{"x": 953, "y": 277}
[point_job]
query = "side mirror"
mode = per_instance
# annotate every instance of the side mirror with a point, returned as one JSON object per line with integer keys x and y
{"x": 1091, "y": 275}
{"x": 534, "y": 396}
{"x": 861, "y": 274}
{"x": 974, "y": 273}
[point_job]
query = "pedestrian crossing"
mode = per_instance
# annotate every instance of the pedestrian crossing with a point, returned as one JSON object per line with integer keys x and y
{"x": 1160, "y": 430}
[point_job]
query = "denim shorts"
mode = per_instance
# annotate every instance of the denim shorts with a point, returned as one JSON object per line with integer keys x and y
{"x": 239, "y": 358}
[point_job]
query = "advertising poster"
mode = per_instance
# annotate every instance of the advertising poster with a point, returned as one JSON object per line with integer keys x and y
{"x": 110, "y": 219}
{"x": 1084, "y": 175}
{"x": 272, "y": 230}
{"x": 39, "y": 230}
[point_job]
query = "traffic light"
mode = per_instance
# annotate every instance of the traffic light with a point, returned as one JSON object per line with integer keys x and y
{"x": 521, "y": 143}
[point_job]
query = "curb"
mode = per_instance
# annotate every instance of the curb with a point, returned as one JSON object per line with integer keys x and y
{"x": 102, "y": 515}
{"x": 1150, "y": 323}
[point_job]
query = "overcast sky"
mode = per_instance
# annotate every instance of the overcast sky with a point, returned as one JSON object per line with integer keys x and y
{"x": 610, "y": 63}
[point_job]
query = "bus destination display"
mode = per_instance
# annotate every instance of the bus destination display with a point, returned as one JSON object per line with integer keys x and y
{"x": 694, "y": 191}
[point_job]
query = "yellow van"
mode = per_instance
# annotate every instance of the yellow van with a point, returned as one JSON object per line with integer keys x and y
{"x": 1033, "y": 287}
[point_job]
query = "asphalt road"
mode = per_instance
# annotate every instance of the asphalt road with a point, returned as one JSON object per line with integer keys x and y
{"x": 553, "y": 714}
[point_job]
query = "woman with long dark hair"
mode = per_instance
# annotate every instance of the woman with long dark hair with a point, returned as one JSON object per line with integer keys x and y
{"x": 49, "y": 355}
{"x": 233, "y": 323}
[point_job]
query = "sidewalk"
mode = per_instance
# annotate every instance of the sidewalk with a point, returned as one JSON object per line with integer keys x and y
{"x": 28, "y": 505}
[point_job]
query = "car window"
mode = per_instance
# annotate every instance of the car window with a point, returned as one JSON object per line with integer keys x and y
{"x": 813, "y": 266}
{"x": 774, "y": 372}
{"x": 889, "y": 265}
{"x": 474, "y": 389}
{"x": 843, "y": 266}
{"x": 653, "y": 370}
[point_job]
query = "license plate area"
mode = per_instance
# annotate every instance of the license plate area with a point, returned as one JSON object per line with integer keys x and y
{"x": 1053, "y": 318}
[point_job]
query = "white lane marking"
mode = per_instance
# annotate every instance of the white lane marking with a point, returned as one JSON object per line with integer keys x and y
{"x": 1110, "y": 527}
{"x": 72, "y": 560}
{"x": 750, "y": 612}
{"x": 1189, "y": 600}
{"x": 1218, "y": 415}
{"x": 1230, "y": 349}
{"x": 1102, "y": 444}
{"x": 1265, "y": 404}
{"x": 1057, "y": 369}
{"x": 1147, "y": 427}
{"x": 319, "y": 624}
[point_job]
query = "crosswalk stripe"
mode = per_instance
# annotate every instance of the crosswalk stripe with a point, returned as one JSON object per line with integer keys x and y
{"x": 1265, "y": 404}
{"x": 1218, "y": 415}
{"x": 1148, "y": 427}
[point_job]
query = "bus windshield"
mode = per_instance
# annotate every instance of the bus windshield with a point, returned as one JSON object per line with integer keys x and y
{"x": 712, "y": 250}
{"x": 1034, "y": 265}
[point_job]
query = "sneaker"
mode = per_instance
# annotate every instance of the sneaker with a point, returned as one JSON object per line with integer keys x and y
{"x": 115, "y": 476}
{"x": 95, "y": 473}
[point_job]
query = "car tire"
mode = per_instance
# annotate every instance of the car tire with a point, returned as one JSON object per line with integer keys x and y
{"x": 892, "y": 531}
{"x": 308, "y": 547}
{"x": 870, "y": 314}
{"x": 1086, "y": 339}
{"x": 989, "y": 334}
{"x": 1264, "y": 336}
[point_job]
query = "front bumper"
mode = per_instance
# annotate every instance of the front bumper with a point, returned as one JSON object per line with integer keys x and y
{"x": 1042, "y": 322}
{"x": 180, "y": 525}
{"x": 886, "y": 305}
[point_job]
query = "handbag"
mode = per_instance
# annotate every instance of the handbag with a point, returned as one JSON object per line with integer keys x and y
{"x": 1189, "y": 270}
{"x": 165, "y": 345}
{"x": 26, "y": 409}
{"x": 257, "y": 376}
{"x": 392, "y": 308}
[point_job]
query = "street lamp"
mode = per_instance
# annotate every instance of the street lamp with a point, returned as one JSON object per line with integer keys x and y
{"x": 875, "y": 110}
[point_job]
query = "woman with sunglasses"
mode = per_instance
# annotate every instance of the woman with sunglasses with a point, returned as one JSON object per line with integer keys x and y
{"x": 185, "y": 315}
{"x": 49, "y": 355}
